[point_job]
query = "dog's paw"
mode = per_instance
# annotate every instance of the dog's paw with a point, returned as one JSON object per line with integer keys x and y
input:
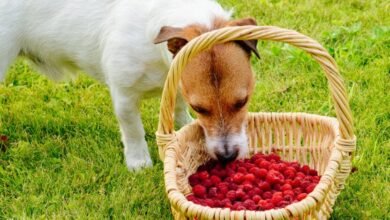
{"x": 137, "y": 156}
{"x": 135, "y": 164}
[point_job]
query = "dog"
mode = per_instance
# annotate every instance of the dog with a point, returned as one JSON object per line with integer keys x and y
{"x": 129, "y": 45}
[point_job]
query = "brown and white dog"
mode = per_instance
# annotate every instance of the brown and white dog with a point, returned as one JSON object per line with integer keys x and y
{"x": 129, "y": 45}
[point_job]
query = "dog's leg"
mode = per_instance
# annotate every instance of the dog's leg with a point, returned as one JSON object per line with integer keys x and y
{"x": 126, "y": 107}
{"x": 182, "y": 116}
{"x": 8, "y": 52}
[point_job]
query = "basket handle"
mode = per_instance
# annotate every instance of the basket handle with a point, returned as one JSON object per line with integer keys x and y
{"x": 165, "y": 132}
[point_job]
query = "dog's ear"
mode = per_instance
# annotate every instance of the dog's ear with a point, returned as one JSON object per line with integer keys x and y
{"x": 176, "y": 37}
{"x": 248, "y": 45}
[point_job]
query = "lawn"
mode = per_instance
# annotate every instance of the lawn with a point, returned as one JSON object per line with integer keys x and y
{"x": 63, "y": 157}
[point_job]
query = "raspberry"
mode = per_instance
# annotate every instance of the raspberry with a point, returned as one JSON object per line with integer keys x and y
{"x": 276, "y": 187}
{"x": 191, "y": 197}
{"x": 238, "y": 206}
{"x": 264, "y": 164}
{"x": 203, "y": 175}
{"x": 212, "y": 192}
{"x": 215, "y": 180}
{"x": 297, "y": 190}
{"x": 310, "y": 188}
{"x": 220, "y": 196}
{"x": 249, "y": 177}
{"x": 316, "y": 179}
{"x": 274, "y": 176}
{"x": 274, "y": 156}
{"x": 289, "y": 174}
{"x": 265, "y": 205}
{"x": 305, "y": 169}
{"x": 283, "y": 203}
{"x": 267, "y": 195}
{"x": 256, "y": 198}
{"x": 289, "y": 192}
{"x": 262, "y": 173}
{"x": 247, "y": 187}
{"x": 193, "y": 179}
{"x": 240, "y": 194}
{"x": 207, "y": 183}
{"x": 274, "y": 166}
{"x": 313, "y": 172}
{"x": 233, "y": 186}
{"x": 231, "y": 195}
{"x": 238, "y": 178}
{"x": 199, "y": 191}
{"x": 285, "y": 187}
{"x": 301, "y": 196}
{"x": 296, "y": 182}
{"x": 209, "y": 202}
{"x": 300, "y": 174}
{"x": 248, "y": 203}
{"x": 223, "y": 188}
{"x": 264, "y": 186}
{"x": 289, "y": 198}
{"x": 276, "y": 198}
{"x": 242, "y": 170}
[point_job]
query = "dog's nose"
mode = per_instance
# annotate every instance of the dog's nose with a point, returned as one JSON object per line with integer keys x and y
{"x": 227, "y": 156}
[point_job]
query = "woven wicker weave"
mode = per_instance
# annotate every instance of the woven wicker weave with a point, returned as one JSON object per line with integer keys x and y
{"x": 324, "y": 143}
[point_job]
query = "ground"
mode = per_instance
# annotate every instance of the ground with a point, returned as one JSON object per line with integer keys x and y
{"x": 63, "y": 157}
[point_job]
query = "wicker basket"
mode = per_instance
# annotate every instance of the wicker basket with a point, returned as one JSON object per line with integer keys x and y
{"x": 324, "y": 143}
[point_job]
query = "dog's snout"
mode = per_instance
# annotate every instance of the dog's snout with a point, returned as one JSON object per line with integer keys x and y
{"x": 227, "y": 156}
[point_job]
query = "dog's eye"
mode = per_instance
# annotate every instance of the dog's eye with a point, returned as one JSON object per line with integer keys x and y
{"x": 241, "y": 103}
{"x": 200, "y": 110}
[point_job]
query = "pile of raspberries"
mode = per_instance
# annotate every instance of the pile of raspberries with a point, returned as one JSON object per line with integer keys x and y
{"x": 262, "y": 182}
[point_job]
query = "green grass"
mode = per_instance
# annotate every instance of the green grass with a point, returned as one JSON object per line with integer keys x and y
{"x": 64, "y": 157}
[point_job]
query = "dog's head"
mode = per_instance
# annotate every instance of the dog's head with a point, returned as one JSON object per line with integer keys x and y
{"x": 217, "y": 84}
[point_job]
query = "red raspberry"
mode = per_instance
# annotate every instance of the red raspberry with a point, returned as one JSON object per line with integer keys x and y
{"x": 295, "y": 165}
{"x": 203, "y": 175}
{"x": 209, "y": 202}
{"x": 264, "y": 186}
{"x": 247, "y": 187}
{"x": 283, "y": 203}
{"x": 301, "y": 175}
{"x": 231, "y": 195}
{"x": 264, "y": 164}
{"x": 289, "y": 198}
{"x": 212, "y": 192}
{"x": 274, "y": 156}
{"x": 304, "y": 184}
{"x": 191, "y": 197}
{"x": 267, "y": 195}
{"x": 296, "y": 182}
{"x": 238, "y": 206}
{"x": 301, "y": 196}
{"x": 285, "y": 187}
{"x": 256, "y": 198}
{"x": 207, "y": 183}
{"x": 274, "y": 176}
{"x": 289, "y": 174}
{"x": 220, "y": 196}
{"x": 265, "y": 205}
{"x": 263, "y": 173}
{"x": 248, "y": 203}
{"x": 313, "y": 172}
{"x": 240, "y": 194}
{"x": 215, "y": 180}
{"x": 233, "y": 186}
{"x": 289, "y": 192}
{"x": 238, "y": 178}
{"x": 223, "y": 187}
{"x": 249, "y": 177}
{"x": 274, "y": 166}
{"x": 316, "y": 179}
{"x": 226, "y": 202}
{"x": 276, "y": 187}
{"x": 305, "y": 169}
{"x": 248, "y": 165}
{"x": 257, "y": 156}
{"x": 276, "y": 198}
{"x": 297, "y": 190}
{"x": 193, "y": 179}
{"x": 310, "y": 188}
{"x": 199, "y": 191}
{"x": 242, "y": 170}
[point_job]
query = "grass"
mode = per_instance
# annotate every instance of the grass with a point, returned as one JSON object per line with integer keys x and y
{"x": 63, "y": 157}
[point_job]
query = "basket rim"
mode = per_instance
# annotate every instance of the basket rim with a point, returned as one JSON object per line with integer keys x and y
{"x": 179, "y": 201}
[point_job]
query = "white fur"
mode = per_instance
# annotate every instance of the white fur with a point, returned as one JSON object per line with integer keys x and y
{"x": 232, "y": 141}
{"x": 111, "y": 40}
